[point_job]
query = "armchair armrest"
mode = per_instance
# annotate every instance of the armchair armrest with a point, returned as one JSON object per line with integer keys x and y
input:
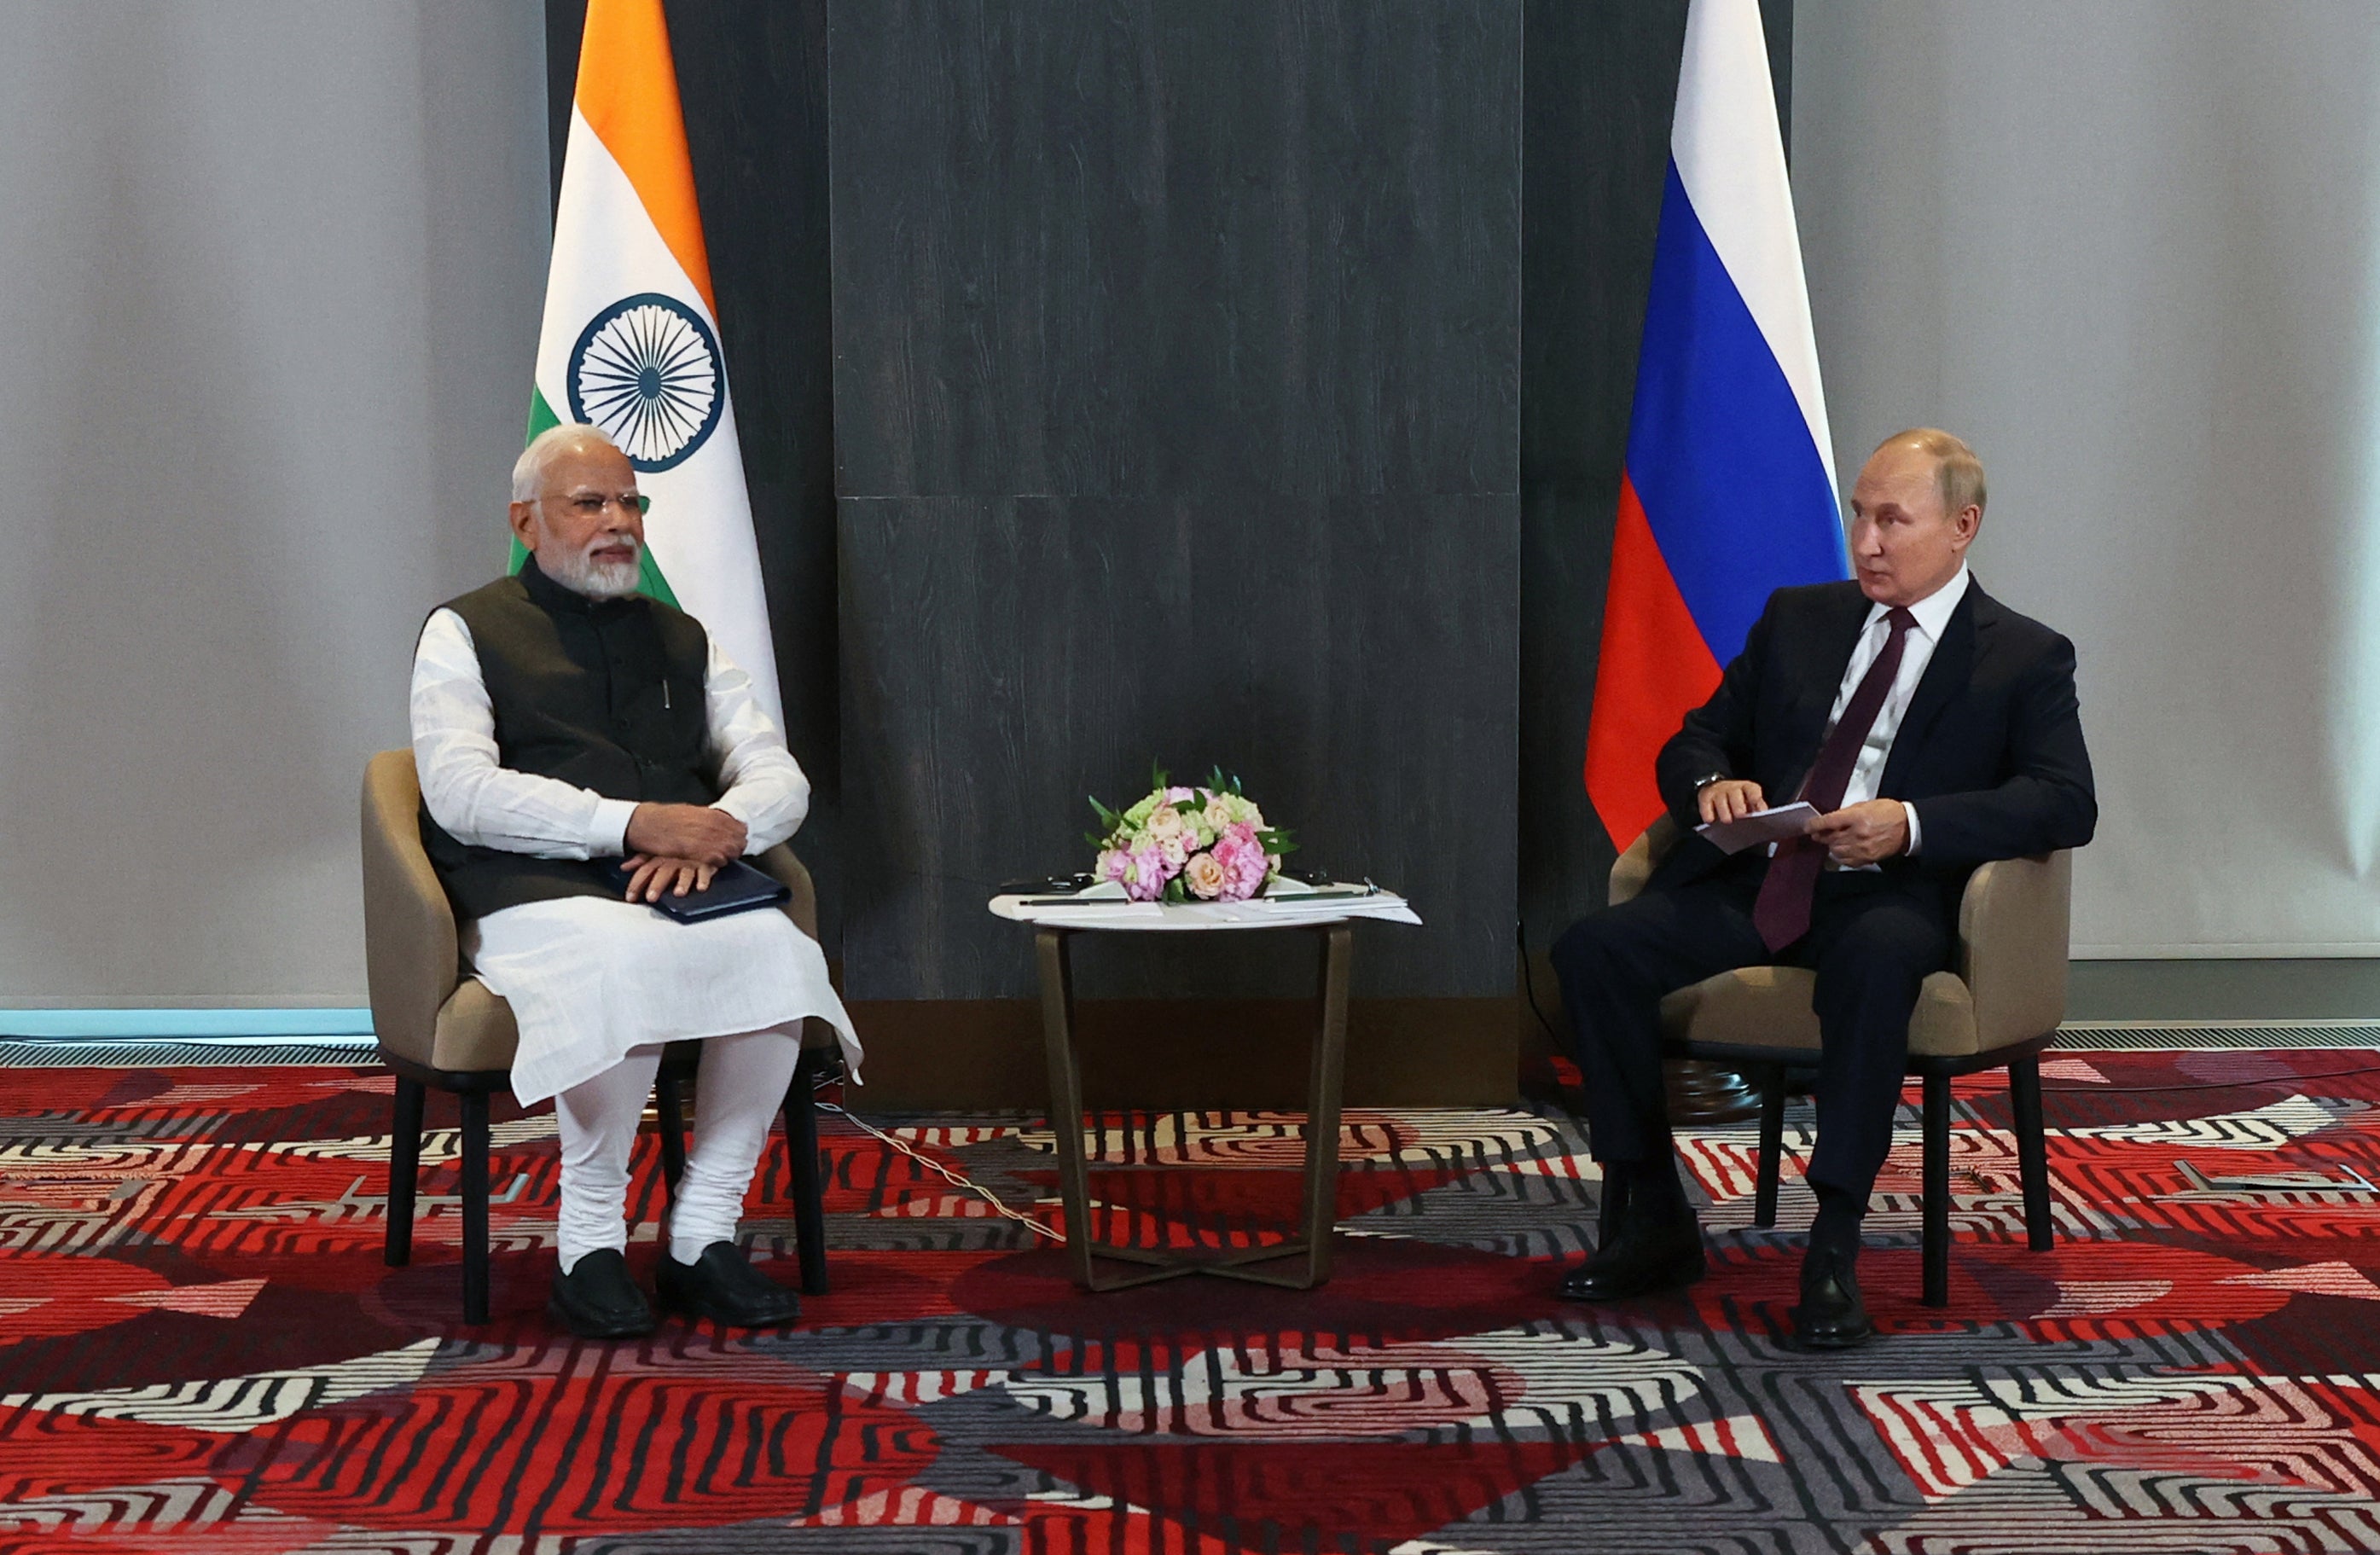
{"x": 412, "y": 962}
{"x": 1636, "y": 866}
{"x": 2014, "y": 922}
{"x": 802, "y": 907}
{"x": 780, "y": 864}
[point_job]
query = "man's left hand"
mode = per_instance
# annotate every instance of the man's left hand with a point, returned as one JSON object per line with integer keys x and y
{"x": 651, "y": 877}
{"x": 1863, "y": 833}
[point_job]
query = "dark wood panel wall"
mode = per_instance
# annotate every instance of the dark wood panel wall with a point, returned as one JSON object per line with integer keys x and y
{"x": 1176, "y": 414}
{"x": 1214, "y": 380}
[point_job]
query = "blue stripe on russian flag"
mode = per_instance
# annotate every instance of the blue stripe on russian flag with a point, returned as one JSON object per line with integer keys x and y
{"x": 1725, "y": 464}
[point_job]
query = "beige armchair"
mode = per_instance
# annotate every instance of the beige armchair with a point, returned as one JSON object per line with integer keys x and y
{"x": 438, "y": 1026}
{"x": 1998, "y": 1007}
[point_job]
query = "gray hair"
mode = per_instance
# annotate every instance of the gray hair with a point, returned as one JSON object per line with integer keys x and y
{"x": 1957, "y": 472}
{"x": 528, "y": 470}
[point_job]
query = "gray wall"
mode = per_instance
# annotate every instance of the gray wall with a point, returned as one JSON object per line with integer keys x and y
{"x": 2129, "y": 249}
{"x": 274, "y": 272}
{"x": 1176, "y": 384}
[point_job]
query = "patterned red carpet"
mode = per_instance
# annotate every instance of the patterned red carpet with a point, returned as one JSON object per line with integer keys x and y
{"x": 201, "y": 1350}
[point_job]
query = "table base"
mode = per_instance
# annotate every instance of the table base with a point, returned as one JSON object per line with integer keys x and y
{"x": 1325, "y": 1083}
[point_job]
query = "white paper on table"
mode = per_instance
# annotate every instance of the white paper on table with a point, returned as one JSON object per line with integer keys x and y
{"x": 1771, "y": 825}
{"x": 1105, "y": 906}
{"x": 1328, "y": 902}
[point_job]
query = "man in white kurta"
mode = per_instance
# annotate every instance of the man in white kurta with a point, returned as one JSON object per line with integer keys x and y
{"x": 598, "y": 983}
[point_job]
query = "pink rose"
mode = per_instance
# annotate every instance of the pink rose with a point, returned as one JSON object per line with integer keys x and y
{"x": 1243, "y": 863}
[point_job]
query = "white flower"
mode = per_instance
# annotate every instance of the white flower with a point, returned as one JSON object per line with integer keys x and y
{"x": 1163, "y": 823}
{"x": 1174, "y": 850}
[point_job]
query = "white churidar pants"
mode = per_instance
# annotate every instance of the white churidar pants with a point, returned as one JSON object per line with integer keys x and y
{"x": 742, "y": 1082}
{"x": 596, "y": 987}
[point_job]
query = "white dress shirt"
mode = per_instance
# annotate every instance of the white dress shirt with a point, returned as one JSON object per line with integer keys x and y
{"x": 1933, "y": 616}
{"x": 591, "y": 978}
{"x": 483, "y": 802}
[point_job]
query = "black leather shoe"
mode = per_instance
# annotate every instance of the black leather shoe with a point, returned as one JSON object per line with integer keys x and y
{"x": 1649, "y": 1256}
{"x": 724, "y": 1286}
{"x": 1832, "y": 1315}
{"x": 598, "y": 1300}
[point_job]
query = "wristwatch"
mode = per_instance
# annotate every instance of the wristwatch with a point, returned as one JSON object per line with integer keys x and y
{"x": 1705, "y": 782}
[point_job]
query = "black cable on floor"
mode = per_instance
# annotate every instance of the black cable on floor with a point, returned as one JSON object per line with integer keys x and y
{"x": 1529, "y": 982}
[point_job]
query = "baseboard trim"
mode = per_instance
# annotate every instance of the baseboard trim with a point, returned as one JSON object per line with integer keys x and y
{"x": 928, "y": 1055}
{"x": 151, "y": 1024}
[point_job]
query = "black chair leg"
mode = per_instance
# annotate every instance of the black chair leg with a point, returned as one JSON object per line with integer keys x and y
{"x": 404, "y": 1169}
{"x": 808, "y": 1181}
{"x": 1936, "y": 1238}
{"x": 2032, "y": 1150}
{"x": 475, "y": 1207}
{"x": 668, "y": 1102}
{"x": 1772, "y": 1145}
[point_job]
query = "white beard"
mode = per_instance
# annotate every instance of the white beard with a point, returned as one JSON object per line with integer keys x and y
{"x": 581, "y": 574}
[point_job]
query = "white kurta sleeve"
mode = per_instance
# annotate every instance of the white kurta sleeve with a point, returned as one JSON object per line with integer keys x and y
{"x": 765, "y": 786}
{"x": 469, "y": 792}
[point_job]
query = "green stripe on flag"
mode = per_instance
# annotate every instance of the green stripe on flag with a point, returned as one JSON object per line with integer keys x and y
{"x": 652, "y": 582}
{"x": 649, "y": 579}
{"x": 540, "y": 415}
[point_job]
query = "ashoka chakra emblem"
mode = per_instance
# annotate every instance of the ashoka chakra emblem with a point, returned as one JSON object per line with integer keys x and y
{"x": 645, "y": 370}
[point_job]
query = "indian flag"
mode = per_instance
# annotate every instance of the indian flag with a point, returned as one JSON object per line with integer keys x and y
{"x": 631, "y": 335}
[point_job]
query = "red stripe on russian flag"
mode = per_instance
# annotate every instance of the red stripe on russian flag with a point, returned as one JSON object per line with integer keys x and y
{"x": 1654, "y": 668}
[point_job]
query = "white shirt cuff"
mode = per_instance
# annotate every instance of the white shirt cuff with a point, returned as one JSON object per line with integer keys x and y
{"x": 1910, "y": 811}
{"x": 607, "y": 833}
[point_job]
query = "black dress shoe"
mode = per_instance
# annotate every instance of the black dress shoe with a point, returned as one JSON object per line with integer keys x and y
{"x": 1832, "y": 1315}
{"x": 598, "y": 1300}
{"x": 1646, "y": 1256}
{"x": 724, "y": 1286}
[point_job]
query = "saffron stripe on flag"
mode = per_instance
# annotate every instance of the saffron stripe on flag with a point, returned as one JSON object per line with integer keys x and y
{"x": 627, "y": 94}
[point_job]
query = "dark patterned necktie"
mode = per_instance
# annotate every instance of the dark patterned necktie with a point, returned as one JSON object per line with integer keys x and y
{"x": 1782, "y": 911}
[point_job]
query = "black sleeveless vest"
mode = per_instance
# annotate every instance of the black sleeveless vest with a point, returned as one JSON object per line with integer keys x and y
{"x": 607, "y": 693}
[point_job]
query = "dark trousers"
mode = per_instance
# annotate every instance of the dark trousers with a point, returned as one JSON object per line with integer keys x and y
{"x": 1872, "y": 942}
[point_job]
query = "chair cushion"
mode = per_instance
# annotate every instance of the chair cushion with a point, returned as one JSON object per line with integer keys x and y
{"x": 475, "y": 1030}
{"x": 1769, "y": 1008}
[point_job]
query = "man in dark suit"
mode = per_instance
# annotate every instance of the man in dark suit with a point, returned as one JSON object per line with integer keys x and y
{"x": 1933, "y": 729}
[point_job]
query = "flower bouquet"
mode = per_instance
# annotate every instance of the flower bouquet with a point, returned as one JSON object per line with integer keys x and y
{"x": 1183, "y": 844}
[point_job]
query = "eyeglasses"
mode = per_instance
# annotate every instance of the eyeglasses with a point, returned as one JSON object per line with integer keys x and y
{"x": 590, "y": 505}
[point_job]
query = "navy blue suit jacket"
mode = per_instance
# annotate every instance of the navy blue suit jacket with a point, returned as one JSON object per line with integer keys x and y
{"x": 1990, "y": 751}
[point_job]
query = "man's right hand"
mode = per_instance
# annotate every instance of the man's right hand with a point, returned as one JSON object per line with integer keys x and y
{"x": 695, "y": 832}
{"x": 1728, "y": 799}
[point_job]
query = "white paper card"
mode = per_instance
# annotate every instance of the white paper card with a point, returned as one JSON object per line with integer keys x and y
{"x": 1772, "y": 825}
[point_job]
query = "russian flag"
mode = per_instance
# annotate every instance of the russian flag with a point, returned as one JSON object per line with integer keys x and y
{"x": 1729, "y": 487}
